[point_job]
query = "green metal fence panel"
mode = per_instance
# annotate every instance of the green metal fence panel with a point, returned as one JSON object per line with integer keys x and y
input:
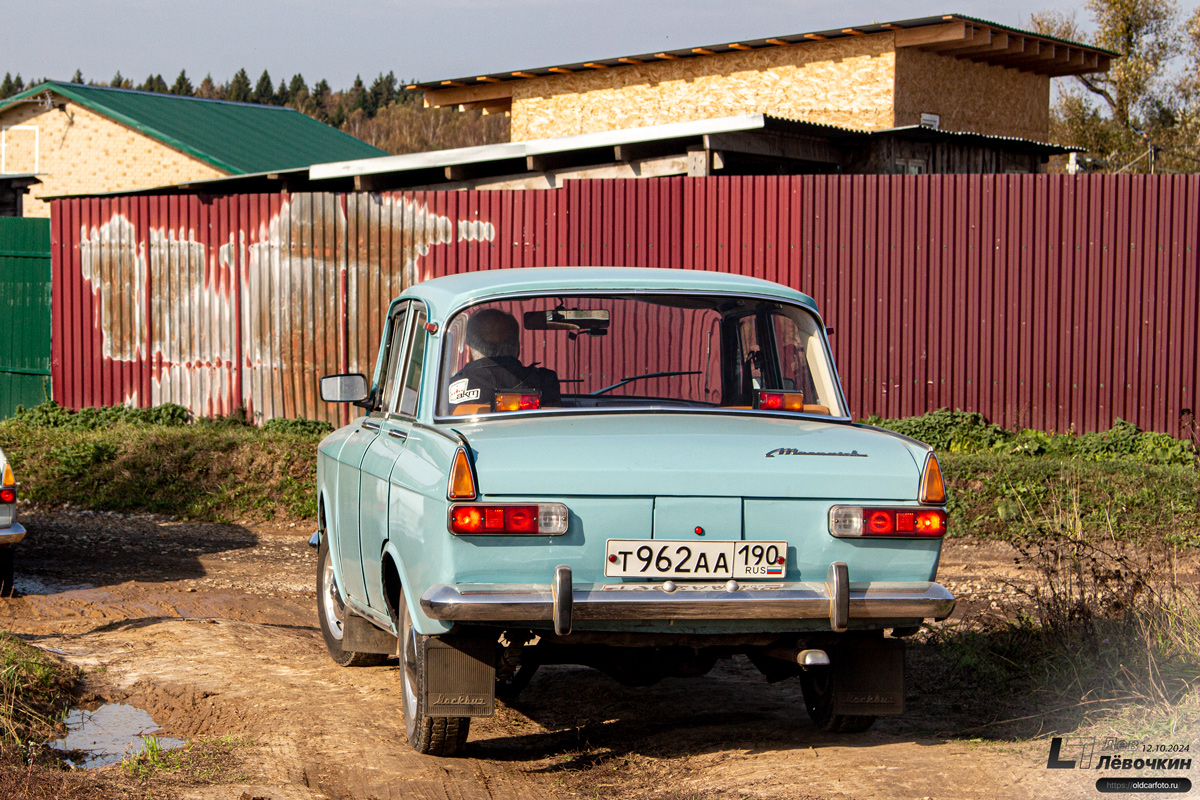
{"x": 24, "y": 313}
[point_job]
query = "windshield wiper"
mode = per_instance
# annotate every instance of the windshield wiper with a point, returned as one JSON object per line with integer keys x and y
{"x": 633, "y": 378}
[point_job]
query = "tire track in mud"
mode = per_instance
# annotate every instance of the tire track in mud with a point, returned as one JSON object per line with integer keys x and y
{"x": 220, "y": 638}
{"x": 337, "y": 731}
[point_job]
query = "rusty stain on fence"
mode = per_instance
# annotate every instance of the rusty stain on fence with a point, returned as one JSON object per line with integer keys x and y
{"x": 1054, "y": 302}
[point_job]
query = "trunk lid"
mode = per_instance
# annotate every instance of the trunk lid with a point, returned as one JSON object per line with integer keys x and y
{"x": 690, "y": 455}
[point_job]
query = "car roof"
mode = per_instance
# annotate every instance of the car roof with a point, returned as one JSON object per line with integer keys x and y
{"x": 453, "y": 291}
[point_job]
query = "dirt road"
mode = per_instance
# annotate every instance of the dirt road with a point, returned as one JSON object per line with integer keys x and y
{"x": 212, "y": 629}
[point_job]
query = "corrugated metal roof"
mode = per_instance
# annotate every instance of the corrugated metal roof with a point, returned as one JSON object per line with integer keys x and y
{"x": 239, "y": 138}
{"x": 745, "y": 44}
{"x": 339, "y": 175}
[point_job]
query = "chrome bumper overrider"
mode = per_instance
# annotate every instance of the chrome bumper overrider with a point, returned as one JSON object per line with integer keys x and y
{"x": 12, "y": 534}
{"x": 836, "y": 600}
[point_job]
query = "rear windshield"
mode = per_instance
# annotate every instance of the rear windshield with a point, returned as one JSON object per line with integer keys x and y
{"x": 635, "y": 351}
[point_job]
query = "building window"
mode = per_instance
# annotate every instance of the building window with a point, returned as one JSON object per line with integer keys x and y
{"x": 911, "y": 166}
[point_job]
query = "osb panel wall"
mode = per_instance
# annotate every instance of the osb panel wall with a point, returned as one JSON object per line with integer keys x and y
{"x": 847, "y": 82}
{"x": 970, "y": 96}
{"x": 82, "y": 152}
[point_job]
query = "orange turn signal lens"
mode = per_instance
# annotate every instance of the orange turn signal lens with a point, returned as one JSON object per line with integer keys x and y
{"x": 7, "y": 479}
{"x": 933, "y": 488}
{"x": 462, "y": 478}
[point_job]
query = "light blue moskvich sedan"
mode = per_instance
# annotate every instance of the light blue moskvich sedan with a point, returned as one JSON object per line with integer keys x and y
{"x": 638, "y": 470}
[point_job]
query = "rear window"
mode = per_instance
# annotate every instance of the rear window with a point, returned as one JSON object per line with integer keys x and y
{"x": 634, "y": 351}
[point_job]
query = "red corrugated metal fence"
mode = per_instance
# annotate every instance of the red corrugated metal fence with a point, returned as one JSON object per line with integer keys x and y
{"x": 1040, "y": 301}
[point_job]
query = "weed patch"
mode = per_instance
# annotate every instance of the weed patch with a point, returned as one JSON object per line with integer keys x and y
{"x": 214, "y": 472}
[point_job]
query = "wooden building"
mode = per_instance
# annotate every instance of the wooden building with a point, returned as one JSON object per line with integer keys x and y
{"x": 967, "y": 74}
{"x": 68, "y": 138}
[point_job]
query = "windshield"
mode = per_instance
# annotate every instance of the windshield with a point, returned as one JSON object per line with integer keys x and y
{"x": 635, "y": 351}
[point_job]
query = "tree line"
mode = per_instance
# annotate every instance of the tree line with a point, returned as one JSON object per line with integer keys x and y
{"x": 1143, "y": 115}
{"x": 383, "y": 114}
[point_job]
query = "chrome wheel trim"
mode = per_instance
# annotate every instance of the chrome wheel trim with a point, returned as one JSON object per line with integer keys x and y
{"x": 335, "y": 609}
{"x": 408, "y": 666}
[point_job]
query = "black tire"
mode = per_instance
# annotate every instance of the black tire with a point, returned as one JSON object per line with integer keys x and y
{"x": 816, "y": 683}
{"x": 331, "y": 612}
{"x": 7, "y": 571}
{"x": 434, "y": 736}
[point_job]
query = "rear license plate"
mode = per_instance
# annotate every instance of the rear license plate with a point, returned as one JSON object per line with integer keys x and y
{"x": 683, "y": 560}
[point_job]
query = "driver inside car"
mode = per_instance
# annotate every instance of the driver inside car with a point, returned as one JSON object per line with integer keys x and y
{"x": 494, "y": 340}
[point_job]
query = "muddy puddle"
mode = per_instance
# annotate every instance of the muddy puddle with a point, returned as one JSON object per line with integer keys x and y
{"x": 110, "y": 733}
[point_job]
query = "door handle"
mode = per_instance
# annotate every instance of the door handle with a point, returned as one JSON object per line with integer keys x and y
{"x": 371, "y": 425}
{"x": 397, "y": 434}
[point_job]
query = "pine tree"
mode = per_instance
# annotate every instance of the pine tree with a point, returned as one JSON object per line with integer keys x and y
{"x": 238, "y": 89}
{"x": 183, "y": 85}
{"x": 264, "y": 91}
{"x": 118, "y": 81}
{"x": 383, "y": 93}
{"x": 297, "y": 86}
{"x": 7, "y": 89}
{"x": 154, "y": 83}
{"x": 77, "y": 77}
{"x": 208, "y": 89}
{"x": 356, "y": 97}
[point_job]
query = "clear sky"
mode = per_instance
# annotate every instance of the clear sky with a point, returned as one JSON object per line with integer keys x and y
{"x": 417, "y": 39}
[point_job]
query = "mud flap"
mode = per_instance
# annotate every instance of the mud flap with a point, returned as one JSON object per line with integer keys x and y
{"x": 462, "y": 676}
{"x": 868, "y": 677}
{"x": 359, "y": 635}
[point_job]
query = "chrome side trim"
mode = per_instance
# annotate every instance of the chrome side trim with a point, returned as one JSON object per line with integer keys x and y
{"x": 801, "y": 600}
{"x": 12, "y": 534}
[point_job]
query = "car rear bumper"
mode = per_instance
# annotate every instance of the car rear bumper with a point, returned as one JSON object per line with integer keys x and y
{"x": 12, "y": 534}
{"x": 836, "y": 600}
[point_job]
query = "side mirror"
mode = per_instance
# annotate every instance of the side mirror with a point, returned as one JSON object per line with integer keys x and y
{"x": 829, "y": 330}
{"x": 344, "y": 388}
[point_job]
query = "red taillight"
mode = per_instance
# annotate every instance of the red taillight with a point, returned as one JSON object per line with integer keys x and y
{"x": 879, "y": 522}
{"x": 8, "y": 495}
{"x": 846, "y": 522}
{"x": 779, "y": 401}
{"x": 516, "y": 401}
{"x": 545, "y": 519}
{"x": 931, "y": 523}
{"x": 903, "y": 522}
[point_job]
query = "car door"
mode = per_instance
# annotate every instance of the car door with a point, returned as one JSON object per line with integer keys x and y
{"x": 386, "y": 451}
{"x": 350, "y": 461}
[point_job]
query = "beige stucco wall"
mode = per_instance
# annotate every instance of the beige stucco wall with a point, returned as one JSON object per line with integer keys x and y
{"x": 80, "y": 152}
{"x": 847, "y": 82}
{"x": 971, "y": 96}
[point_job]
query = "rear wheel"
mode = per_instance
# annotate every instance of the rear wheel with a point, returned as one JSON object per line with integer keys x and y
{"x": 331, "y": 612}
{"x": 817, "y": 685}
{"x": 435, "y": 736}
{"x": 6, "y": 572}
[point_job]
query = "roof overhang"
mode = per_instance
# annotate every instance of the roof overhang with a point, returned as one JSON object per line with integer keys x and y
{"x": 950, "y": 35}
{"x": 19, "y": 180}
{"x": 750, "y": 137}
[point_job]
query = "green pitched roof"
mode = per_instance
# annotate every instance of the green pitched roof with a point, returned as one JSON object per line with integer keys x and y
{"x": 239, "y": 138}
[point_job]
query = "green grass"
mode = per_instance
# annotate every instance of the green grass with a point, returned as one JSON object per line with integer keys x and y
{"x": 1017, "y": 498}
{"x": 201, "y": 471}
{"x": 35, "y": 689}
{"x": 198, "y": 762}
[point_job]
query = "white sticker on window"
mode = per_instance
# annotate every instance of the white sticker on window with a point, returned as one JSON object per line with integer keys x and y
{"x": 459, "y": 393}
